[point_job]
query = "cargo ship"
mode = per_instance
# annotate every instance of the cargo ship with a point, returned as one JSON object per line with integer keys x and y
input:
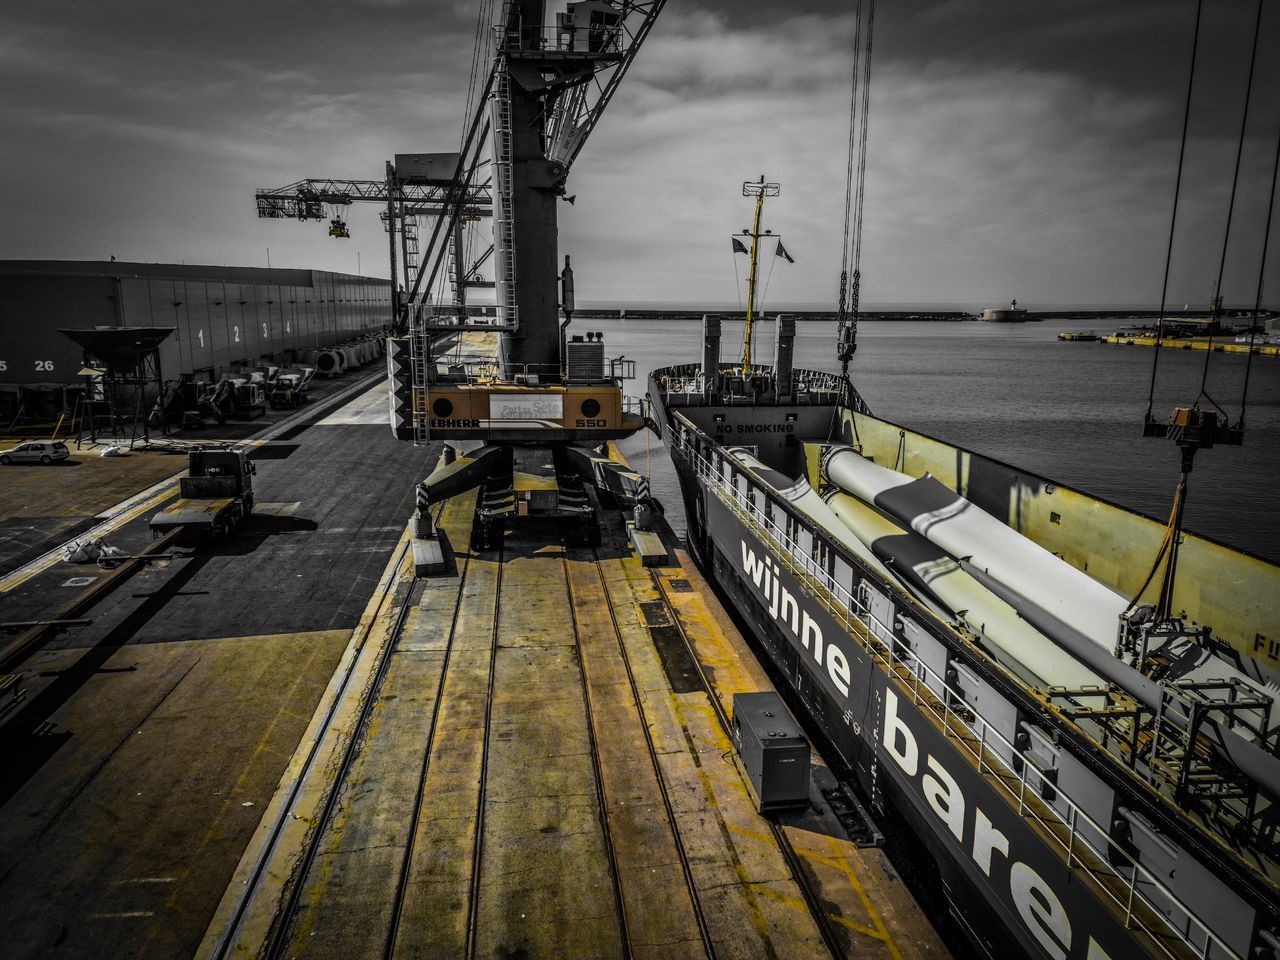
{"x": 1070, "y": 704}
{"x": 978, "y": 646}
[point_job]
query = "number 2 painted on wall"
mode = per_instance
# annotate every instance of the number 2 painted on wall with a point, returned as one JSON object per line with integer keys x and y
{"x": 236, "y": 329}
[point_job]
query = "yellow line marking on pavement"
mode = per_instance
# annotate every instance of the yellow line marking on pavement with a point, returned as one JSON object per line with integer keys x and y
{"x": 123, "y": 913}
{"x": 779, "y": 897}
{"x": 751, "y": 834}
{"x": 19, "y": 577}
{"x": 860, "y": 928}
{"x": 866, "y": 901}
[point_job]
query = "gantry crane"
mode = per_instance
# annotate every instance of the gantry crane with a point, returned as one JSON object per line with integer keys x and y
{"x": 416, "y": 185}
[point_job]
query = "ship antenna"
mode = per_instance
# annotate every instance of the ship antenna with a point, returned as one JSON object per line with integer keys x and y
{"x": 855, "y": 182}
{"x": 758, "y": 189}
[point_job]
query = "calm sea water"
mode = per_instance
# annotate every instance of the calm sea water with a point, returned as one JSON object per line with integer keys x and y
{"x": 1068, "y": 411}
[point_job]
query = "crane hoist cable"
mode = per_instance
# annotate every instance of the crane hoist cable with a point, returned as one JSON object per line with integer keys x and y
{"x": 1194, "y": 428}
{"x": 862, "y": 152}
{"x": 1262, "y": 269}
{"x": 855, "y": 184}
{"x": 849, "y": 158}
{"x": 1173, "y": 217}
{"x": 479, "y": 55}
{"x": 1231, "y": 206}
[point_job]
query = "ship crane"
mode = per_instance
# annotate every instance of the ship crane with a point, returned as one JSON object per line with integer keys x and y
{"x": 552, "y": 75}
{"x": 554, "y": 69}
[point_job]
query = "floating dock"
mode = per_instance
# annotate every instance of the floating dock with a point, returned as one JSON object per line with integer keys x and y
{"x": 285, "y": 744}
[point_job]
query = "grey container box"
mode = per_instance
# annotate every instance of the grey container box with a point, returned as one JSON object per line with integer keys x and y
{"x": 771, "y": 750}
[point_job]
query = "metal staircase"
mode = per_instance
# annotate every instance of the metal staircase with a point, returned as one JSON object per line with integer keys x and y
{"x": 420, "y": 362}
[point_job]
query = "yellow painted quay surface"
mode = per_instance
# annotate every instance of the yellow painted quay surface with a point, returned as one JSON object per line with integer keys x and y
{"x": 541, "y": 770}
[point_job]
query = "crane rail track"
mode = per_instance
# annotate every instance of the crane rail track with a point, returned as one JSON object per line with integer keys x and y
{"x": 668, "y": 808}
{"x": 402, "y": 882}
{"x": 226, "y": 946}
{"x": 811, "y": 898}
{"x": 282, "y": 937}
{"x": 477, "y": 849}
{"x": 16, "y": 651}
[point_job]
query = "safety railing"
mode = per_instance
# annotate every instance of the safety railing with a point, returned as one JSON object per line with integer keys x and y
{"x": 639, "y": 406}
{"x": 621, "y": 368}
{"x": 564, "y": 39}
{"x": 685, "y": 385}
{"x": 1114, "y": 871}
{"x": 484, "y": 371}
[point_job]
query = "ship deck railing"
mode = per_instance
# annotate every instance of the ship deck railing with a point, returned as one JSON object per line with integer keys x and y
{"x": 1115, "y": 873}
{"x": 685, "y": 385}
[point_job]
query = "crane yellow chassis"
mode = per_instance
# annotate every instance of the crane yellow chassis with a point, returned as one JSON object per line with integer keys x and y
{"x": 526, "y": 414}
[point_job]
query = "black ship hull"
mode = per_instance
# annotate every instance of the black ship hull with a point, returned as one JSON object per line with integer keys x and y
{"x": 875, "y": 722}
{"x": 1044, "y": 845}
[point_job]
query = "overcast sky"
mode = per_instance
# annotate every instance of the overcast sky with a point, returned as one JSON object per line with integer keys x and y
{"x": 1017, "y": 149}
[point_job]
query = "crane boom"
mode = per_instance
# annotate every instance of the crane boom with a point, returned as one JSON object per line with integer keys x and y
{"x": 576, "y": 116}
{"x": 305, "y": 199}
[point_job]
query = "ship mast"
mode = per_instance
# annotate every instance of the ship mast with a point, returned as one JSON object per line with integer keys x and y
{"x": 758, "y": 189}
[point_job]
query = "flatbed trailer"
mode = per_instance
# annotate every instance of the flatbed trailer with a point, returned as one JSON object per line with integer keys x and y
{"x": 215, "y": 516}
{"x": 215, "y": 496}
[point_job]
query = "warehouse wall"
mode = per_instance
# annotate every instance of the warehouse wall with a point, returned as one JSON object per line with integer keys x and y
{"x": 222, "y": 316}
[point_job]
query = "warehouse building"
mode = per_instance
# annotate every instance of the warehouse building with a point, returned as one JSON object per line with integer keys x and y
{"x": 223, "y": 318}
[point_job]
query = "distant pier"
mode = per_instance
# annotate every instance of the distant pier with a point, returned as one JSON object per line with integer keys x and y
{"x": 1197, "y": 343}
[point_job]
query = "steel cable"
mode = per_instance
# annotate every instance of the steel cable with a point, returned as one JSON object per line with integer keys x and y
{"x": 1231, "y": 205}
{"x": 1173, "y": 219}
{"x": 1262, "y": 268}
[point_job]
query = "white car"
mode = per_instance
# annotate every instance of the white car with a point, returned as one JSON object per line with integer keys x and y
{"x": 35, "y": 451}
